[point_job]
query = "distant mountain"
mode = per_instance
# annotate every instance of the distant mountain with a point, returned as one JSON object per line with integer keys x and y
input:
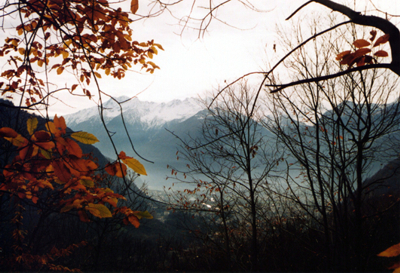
{"x": 146, "y": 123}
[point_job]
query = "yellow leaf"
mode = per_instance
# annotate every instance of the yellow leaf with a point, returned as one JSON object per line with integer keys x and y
{"x": 134, "y": 6}
{"x": 143, "y": 214}
{"x": 16, "y": 141}
{"x": 99, "y": 210}
{"x": 51, "y": 127}
{"x": 135, "y": 165}
{"x": 392, "y": 251}
{"x": 31, "y": 125}
{"x": 98, "y": 75}
{"x": 21, "y": 50}
{"x": 45, "y": 153}
{"x": 85, "y": 138}
{"x": 87, "y": 182}
{"x": 65, "y": 54}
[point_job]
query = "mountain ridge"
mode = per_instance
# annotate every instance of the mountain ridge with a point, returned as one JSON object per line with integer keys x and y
{"x": 150, "y": 114}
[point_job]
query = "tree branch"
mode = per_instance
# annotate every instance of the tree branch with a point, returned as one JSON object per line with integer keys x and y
{"x": 373, "y": 21}
{"x": 327, "y": 77}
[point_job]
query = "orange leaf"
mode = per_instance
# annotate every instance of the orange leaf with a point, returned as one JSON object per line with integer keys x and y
{"x": 115, "y": 169}
{"x": 61, "y": 171}
{"x": 361, "y": 43}
{"x": 381, "y": 53}
{"x": 59, "y": 122}
{"x": 134, "y": 6}
{"x": 392, "y": 251}
{"x": 341, "y": 55}
{"x": 134, "y": 220}
{"x": 74, "y": 86}
{"x": 73, "y": 148}
{"x": 122, "y": 155}
{"x": 8, "y": 132}
{"x": 381, "y": 40}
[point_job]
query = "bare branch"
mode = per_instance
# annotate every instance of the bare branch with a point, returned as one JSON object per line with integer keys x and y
{"x": 327, "y": 77}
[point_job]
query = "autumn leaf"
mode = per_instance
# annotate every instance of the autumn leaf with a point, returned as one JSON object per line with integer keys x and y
{"x": 361, "y": 52}
{"x": 134, "y": 6}
{"x": 99, "y": 210}
{"x": 373, "y": 35}
{"x": 116, "y": 169}
{"x": 133, "y": 220}
{"x": 132, "y": 163}
{"x": 8, "y": 132}
{"x": 59, "y": 122}
{"x": 73, "y": 148}
{"x": 61, "y": 171}
{"x": 87, "y": 182}
{"x": 143, "y": 214}
{"x": 85, "y": 138}
{"x": 361, "y": 43}
{"x": 17, "y": 141}
{"x": 381, "y": 53}
{"x": 392, "y": 251}
{"x": 31, "y": 125}
{"x": 135, "y": 165}
{"x": 341, "y": 55}
{"x": 381, "y": 40}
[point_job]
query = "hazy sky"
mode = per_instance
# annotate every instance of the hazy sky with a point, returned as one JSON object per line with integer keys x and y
{"x": 191, "y": 65}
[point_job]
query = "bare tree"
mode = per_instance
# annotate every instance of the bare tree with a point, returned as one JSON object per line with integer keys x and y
{"x": 231, "y": 164}
{"x": 337, "y": 132}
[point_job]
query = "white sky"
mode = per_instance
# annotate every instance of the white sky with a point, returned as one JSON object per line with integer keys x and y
{"x": 191, "y": 66}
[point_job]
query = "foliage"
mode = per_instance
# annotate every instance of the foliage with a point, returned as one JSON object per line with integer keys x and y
{"x": 45, "y": 169}
{"x": 51, "y": 159}
{"x": 82, "y": 37}
{"x": 360, "y": 55}
{"x": 392, "y": 251}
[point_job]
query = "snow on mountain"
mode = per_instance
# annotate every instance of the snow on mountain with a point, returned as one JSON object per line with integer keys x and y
{"x": 151, "y": 114}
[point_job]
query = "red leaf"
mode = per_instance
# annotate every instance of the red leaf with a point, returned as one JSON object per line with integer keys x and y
{"x": 73, "y": 148}
{"x": 361, "y": 43}
{"x": 8, "y": 132}
{"x": 83, "y": 216}
{"x": 361, "y": 52}
{"x": 61, "y": 171}
{"x": 381, "y": 53}
{"x": 381, "y": 40}
{"x": 42, "y": 136}
{"x": 341, "y": 55}
{"x": 373, "y": 35}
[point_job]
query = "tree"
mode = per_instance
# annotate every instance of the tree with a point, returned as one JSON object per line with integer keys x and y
{"x": 337, "y": 133}
{"x": 230, "y": 165}
{"x": 44, "y": 167}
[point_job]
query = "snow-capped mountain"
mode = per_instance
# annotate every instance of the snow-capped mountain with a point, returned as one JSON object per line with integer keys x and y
{"x": 150, "y": 114}
{"x": 146, "y": 123}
